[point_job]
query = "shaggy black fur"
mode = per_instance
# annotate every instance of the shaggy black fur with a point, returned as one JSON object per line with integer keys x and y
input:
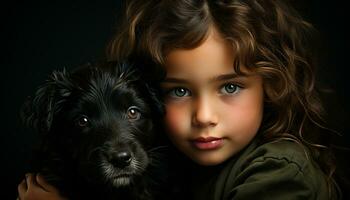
{"x": 97, "y": 128}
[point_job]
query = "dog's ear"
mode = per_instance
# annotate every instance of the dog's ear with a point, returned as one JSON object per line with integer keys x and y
{"x": 38, "y": 111}
{"x": 150, "y": 76}
{"x": 155, "y": 96}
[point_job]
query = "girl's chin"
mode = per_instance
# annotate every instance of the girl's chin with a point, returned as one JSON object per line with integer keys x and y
{"x": 208, "y": 159}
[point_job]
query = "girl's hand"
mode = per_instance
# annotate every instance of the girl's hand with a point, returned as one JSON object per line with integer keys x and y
{"x": 34, "y": 187}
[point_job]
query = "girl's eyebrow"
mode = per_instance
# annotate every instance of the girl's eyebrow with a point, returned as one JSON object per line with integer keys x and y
{"x": 174, "y": 80}
{"x": 222, "y": 77}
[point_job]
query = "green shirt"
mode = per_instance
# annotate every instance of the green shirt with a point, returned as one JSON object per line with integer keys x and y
{"x": 275, "y": 170}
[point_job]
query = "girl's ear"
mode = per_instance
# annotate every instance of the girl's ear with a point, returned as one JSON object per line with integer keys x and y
{"x": 38, "y": 112}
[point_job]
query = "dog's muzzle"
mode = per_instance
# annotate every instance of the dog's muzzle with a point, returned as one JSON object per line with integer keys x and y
{"x": 121, "y": 159}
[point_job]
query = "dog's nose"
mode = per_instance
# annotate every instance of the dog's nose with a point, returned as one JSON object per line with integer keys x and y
{"x": 121, "y": 159}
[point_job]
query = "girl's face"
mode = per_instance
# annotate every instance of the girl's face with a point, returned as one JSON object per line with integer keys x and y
{"x": 211, "y": 112}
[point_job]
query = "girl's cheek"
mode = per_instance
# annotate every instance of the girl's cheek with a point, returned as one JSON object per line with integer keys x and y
{"x": 175, "y": 118}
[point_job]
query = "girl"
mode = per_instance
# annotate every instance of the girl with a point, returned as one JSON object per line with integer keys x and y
{"x": 240, "y": 97}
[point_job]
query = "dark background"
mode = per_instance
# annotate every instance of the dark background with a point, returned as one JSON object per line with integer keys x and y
{"x": 40, "y": 36}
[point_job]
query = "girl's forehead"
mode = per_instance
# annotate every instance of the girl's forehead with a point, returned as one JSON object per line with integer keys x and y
{"x": 213, "y": 51}
{"x": 215, "y": 56}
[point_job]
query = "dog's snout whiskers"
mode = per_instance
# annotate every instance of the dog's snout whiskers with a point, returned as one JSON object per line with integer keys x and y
{"x": 137, "y": 165}
{"x": 95, "y": 150}
{"x": 164, "y": 147}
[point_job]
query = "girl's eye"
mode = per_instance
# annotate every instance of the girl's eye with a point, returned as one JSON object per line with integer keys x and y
{"x": 179, "y": 92}
{"x": 229, "y": 88}
{"x": 83, "y": 121}
{"x": 133, "y": 113}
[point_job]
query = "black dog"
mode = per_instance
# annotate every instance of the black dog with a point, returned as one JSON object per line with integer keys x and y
{"x": 97, "y": 128}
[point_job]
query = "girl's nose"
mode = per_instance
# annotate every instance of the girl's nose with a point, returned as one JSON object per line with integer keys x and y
{"x": 204, "y": 112}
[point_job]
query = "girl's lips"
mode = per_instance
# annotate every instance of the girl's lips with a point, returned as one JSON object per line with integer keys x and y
{"x": 208, "y": 143}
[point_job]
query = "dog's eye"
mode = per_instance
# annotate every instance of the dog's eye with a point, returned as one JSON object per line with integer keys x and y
{"x": 83, "y": 121}
{"x": 133, "y": 113}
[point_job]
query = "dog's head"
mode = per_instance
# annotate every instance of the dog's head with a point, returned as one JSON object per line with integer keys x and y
{"x": 99, "y": 118}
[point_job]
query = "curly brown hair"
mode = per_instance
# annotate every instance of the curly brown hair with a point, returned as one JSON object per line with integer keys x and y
{"x": 269, "y": 37}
